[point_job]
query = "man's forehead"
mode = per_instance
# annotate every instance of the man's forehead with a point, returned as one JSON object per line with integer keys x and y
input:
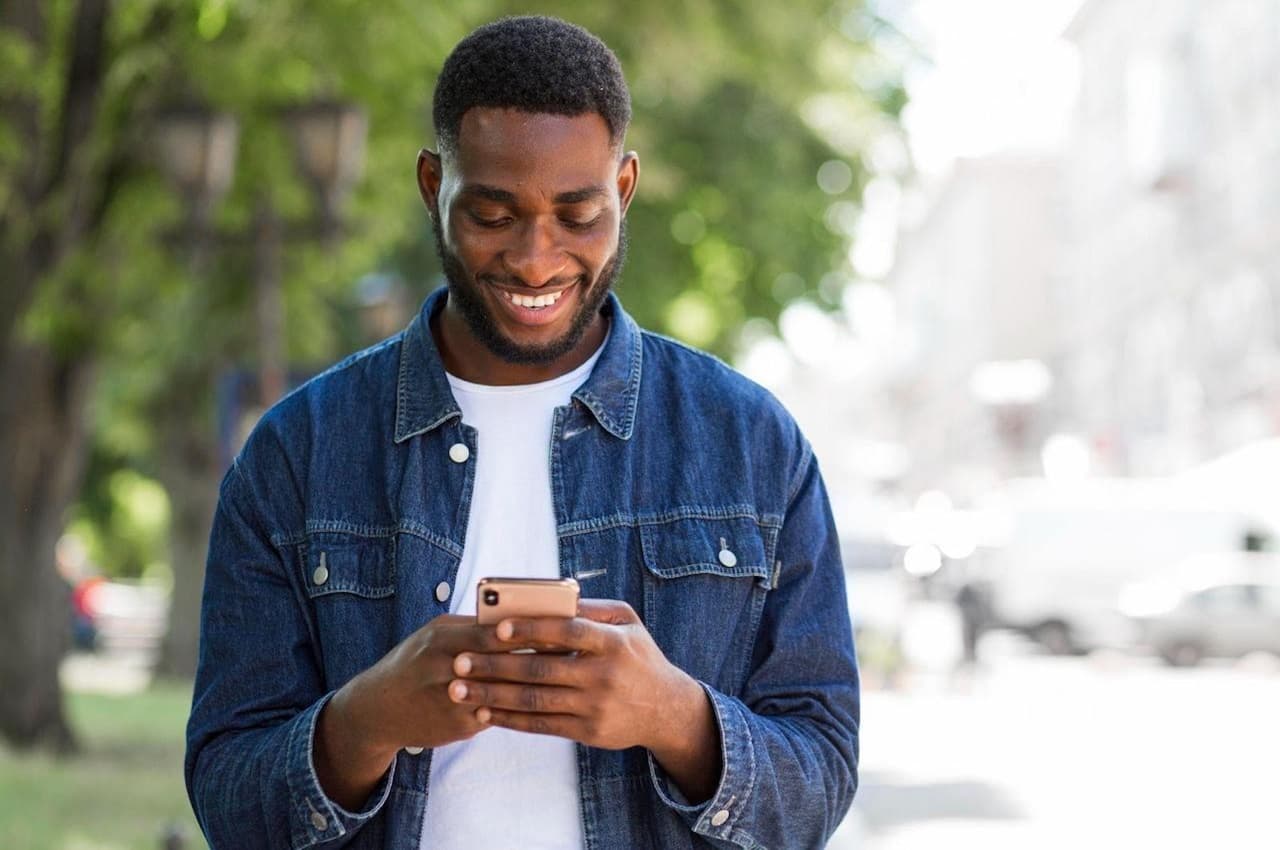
{"x": 488, "y": 131}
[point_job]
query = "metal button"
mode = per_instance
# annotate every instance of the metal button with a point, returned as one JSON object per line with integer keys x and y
{"x": 720, "y": 817}
{"x": 458, "y": 453}
{"x": 319, "y": 821}
{"x": 442, "y": 591}
{"x": 414, "y": 751}
{"x": 728, "y": 558}
{"x": 321, "y": 575}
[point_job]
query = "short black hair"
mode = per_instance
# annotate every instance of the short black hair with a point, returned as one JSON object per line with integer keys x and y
{"x": 535, "y": 64}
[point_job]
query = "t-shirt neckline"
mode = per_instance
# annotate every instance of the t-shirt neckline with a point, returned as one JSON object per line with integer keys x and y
{"x": 578, "y": 375}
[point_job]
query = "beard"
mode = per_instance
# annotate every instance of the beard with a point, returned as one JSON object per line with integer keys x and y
{"x": 464, "y": 294}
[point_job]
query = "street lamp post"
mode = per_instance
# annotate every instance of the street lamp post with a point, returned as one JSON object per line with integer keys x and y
{"x": 196, "y": 151}
{"x": 328, "y": 141}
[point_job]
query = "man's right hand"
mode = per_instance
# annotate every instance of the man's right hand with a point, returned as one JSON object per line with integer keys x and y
{"x": 400, "y": 701}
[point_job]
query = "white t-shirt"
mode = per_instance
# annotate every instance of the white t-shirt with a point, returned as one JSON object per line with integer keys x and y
{"x": 504, "y": 789}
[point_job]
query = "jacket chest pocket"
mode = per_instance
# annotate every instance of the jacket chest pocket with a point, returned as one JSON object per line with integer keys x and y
{"x": 705, "y": 585}
{"x": 350, "y": 581}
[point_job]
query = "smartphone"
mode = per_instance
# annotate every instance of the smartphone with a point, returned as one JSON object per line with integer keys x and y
{"x": 499, "y": 598}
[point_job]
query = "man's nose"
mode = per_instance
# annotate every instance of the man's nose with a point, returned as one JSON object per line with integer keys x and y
{"x": 536, "y": 256}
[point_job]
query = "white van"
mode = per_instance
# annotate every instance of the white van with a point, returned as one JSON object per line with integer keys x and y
{"x": 1058, "y": 555}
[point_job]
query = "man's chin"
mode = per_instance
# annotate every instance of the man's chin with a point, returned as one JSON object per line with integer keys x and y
{"x": 501, "y": 342}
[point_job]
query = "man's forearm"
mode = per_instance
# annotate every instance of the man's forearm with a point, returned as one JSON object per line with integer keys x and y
{"x": 691, "y": 756}
{"x": 347, "y": 766}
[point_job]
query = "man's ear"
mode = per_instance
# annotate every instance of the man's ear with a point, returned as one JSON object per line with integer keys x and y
{"x": 628, "y": 176}
{"x": 430, "y": 175}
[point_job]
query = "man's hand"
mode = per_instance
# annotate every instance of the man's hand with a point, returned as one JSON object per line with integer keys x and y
{"x": 400, "y": 701}
{"x": 616, "y": 690}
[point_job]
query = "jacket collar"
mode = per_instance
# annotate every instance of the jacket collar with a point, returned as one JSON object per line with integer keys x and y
{"x": 424, "y": 400}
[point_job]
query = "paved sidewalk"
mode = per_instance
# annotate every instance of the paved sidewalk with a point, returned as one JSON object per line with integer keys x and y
{"x": 1045, "y": 753}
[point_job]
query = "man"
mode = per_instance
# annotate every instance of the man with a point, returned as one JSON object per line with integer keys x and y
{"x": 706, "y": 694}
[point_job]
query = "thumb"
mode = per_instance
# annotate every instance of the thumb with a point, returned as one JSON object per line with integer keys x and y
{"x": 612, "y": 611}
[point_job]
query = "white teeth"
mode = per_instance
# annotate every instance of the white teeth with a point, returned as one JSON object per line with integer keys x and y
{"x": 534, "y": 301}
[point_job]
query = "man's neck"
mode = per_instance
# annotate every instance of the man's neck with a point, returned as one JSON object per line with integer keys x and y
{"x": 468, "y": 358}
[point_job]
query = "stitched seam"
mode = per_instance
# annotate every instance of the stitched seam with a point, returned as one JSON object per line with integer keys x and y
{"x": 372, "y": 532}
{"x": 633, "y": 386}
{"x": 586, "y": 526}
{"x": 402, "y": 383}
{"x": 403, "y": 413}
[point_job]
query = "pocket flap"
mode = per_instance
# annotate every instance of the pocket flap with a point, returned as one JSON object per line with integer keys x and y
{"x": 348, "y": 563}
{"x": 726, "y": 546}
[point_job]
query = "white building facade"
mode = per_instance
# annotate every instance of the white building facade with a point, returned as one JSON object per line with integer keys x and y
{"x": 1123, "y": 294}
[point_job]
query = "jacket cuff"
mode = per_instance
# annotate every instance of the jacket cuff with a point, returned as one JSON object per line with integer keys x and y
{"x": 315, "y": 817}
{"x": 717, "y": 816}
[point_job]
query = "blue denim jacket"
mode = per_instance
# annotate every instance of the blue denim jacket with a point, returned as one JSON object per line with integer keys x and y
{"x": 664, "y": 459}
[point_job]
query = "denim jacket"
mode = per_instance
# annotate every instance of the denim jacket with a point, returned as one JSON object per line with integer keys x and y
{"x": 678, "y": 485}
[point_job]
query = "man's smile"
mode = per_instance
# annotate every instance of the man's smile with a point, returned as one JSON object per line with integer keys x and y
{"x": 533, "y": 309}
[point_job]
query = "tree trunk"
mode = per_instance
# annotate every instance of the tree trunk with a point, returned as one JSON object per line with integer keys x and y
{"x": 188, "y": 467}
{"x": 42, "y": 432}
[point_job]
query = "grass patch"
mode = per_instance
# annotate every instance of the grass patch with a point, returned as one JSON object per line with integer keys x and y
{"x": 119, "y": 793}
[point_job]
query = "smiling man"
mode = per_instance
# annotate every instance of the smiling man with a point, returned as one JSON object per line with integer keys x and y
{"x": 706, "y": 693}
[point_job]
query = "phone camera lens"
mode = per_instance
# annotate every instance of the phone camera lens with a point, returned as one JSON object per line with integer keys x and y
{"x": 491, "y": 597}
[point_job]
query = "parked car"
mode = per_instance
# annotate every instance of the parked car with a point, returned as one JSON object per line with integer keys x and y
{"x": 1230, "y": 615}
{"x": 1062, "y": 552}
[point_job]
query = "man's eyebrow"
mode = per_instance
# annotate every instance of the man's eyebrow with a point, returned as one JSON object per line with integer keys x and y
{"x": 489, "y": 193}
{"x": 577, "y": 196}
{"x": 502, "y": 196}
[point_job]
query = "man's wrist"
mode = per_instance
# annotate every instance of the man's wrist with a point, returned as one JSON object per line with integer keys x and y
{"x": 688, "y": 746}
{"x": 349, "y": 760}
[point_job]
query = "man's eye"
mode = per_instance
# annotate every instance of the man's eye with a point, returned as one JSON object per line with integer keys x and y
{"x": 491, "y": 222}
{"x": 575, "y": 224}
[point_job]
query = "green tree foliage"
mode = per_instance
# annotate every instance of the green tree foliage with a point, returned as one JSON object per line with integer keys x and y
{"x": 730, "y": 223}
{"x": 737, "y": 107}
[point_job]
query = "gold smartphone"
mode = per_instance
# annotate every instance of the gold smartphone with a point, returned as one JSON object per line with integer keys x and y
{"x": 499, "y": 598}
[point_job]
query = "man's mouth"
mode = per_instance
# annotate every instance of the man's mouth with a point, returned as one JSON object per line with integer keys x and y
{"x": 535, "y": 302}
{"x": 534, "y": 310}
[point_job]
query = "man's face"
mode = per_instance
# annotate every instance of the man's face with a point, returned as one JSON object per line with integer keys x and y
{"x": 527, "y": 213}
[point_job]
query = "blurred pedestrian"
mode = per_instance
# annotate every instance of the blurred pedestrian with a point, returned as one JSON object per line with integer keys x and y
{"x": 71, "y": 558}
{"x": 975, "y": 617}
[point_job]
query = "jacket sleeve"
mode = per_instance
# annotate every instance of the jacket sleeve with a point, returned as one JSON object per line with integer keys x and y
{"x": 258, "y": 693}
{"x": 789, "y": 741}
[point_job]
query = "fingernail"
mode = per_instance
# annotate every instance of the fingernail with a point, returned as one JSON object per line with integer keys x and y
{"x": 505, "y": 629}
{"x": 458, "y": 690}
{"x": 483, "y": 715}
{"x": 462, "y": 665}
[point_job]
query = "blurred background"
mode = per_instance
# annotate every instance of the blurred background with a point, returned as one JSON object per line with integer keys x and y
{"x": 1013, "y": 265}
